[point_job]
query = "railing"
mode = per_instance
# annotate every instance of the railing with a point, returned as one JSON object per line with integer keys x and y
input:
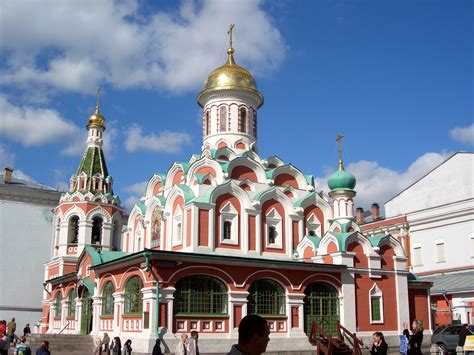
{"x": 321, "y": 339}
{"x": 64, "y": 328}
{"x": 356, "y": 343}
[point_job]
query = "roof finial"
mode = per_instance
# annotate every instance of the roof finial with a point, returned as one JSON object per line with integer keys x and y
{"x": 229, "y": 32}
{"x": 97, "y": 98}
{"x": 339, "y": 140}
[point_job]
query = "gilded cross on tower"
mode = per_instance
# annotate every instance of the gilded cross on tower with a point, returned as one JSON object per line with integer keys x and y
{"x": 229, "y": 32}
{"x": 339, "y": 140}
{"x": 98, "y": 97}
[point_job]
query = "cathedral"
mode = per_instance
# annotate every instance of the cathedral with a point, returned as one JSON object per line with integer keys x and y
{"x": 218, "y": 236}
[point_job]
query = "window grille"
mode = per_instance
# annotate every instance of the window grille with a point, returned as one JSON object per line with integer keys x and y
{"x": 267, "y": 297}
{"x": 200, "y": 295}
{"x": 375, "y": 304}
{"x": 227, "y": 229}
{"x": 133, "y": 296}
{"x": 57, "y": 305}
{"x": 108, "y": 299}
{"x": 71, "y": 303}
{"x": 321, "y": 305}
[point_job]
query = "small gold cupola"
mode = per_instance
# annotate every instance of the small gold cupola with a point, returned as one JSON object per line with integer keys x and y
{"x": 230, "y": 76}
{"x": 96, "y": 119}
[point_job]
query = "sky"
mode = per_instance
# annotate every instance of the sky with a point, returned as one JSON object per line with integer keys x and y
{"x": 395, "y": 77}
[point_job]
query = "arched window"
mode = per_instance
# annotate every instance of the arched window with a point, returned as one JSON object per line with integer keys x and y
{"x": 266, "y": 297}
{"x": 223, "y": 119}
{"x": 108, "y": 299}
{"x": 178, "y": 227}
{"x": 272, "y": 234}
{"x": 73, "y": 229}
{"x": 200, "y": 294}
{"x": 57, "y": 305}
{"x": 133, "y": 295}
{"x": 71, "y": 303}
{"x": 321, "y": 305}
{"x": 243, "y": 120}
{"x": 376, "y": 305}
{"x": 208, "y": 123}
{"x": 97, "y": 230}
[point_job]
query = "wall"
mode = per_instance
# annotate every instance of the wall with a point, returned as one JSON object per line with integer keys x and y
{"x": 25, "y": 245}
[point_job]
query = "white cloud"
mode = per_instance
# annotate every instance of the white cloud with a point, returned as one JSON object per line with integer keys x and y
{"x": 7, "y": 158}
{"x": 166, "y": 141}
{"x": 376, "y": 183}
{"x": 135, "y": 192}
{"x": 75, "y": 46}
{"x": 464, "y": 135}
{"x": 32, "y": 126}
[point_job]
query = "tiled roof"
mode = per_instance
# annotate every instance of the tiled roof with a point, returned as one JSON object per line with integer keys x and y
{"x": 451, "y": 283}
{"x": 22, "y": 183}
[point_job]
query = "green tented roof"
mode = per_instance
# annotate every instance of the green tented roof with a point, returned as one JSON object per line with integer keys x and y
{"x": 341, "y": 239}
{"x": 314, "y": 240}
{"x": 257, "y": 196}
{"x": 309, "y": 179}
{"x": 206, "y": 198}
{"x": 92, "y": 162}
{"x": 200, "y": 178}
{"x": 224, "y": 165}
{"x": 300, "y": 201}
{"x": 269, "y": 173}
{"x": 102, "y": 256}
{"x": 375, "y": 240}
{"x": 161, "y": 198}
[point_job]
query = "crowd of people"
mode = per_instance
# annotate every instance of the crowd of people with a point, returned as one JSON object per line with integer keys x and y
{"x": 8, "y": 337}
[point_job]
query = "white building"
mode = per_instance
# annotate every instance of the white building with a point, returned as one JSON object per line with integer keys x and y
{"x": 439, "y": 210}
{"x": 25, "y": 244}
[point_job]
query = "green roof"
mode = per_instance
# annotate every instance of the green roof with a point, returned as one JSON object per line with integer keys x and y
{"x": 161, "y": 198}
{"x": 314, "y": 240}
{"x": 141, "y": 205}
{"x": 309, "y": 179}
{"x": 206, "y": 198}
{"x": 341, "y": 180}
{"x": 187, "y": 192}
{"x": 341, "y": 239}
{"x": 257, "y": 196}
{"x": 103, "y": 256}
{"x": 92, "y": 163}
{"x": 300, "y": 201}
{"x": 269, "y": 173}
{"x": 200, "y": 178}
{"x": 375, "y": 240}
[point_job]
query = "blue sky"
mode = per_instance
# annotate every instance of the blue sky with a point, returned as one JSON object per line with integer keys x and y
{"x": 395, "y": 77}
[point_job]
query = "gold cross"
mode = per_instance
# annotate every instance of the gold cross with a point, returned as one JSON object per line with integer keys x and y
{"x": 229, "y": 32}
{"x": 98, "y": 97}
{"x": 339, "y": 140}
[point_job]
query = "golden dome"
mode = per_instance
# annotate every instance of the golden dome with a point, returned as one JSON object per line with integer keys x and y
{"x": 96, "y": 118}
{"x": 230, "y": 76}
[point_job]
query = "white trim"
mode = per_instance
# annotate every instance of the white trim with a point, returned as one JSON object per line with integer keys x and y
{"x": 273, "y": 220}
{"x": 228, "y": 213}
{"x": 376, "y": 293}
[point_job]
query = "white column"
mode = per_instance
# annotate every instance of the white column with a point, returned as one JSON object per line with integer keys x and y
{"x": 236, "y": 298}
{"x": 63, "y": 314}
{"x": 107, "y": 236}
{"x": 347, "y": 301}
{"x": 149, "y": 297}
{"x": 211, "y": 229}
{"x": 258, "y": 232}
{"x": 78, "y": 315}
{"x": 295, "y": 300}
{"x": 119, "y": 302}
{"x": 403, "y": 309}
{"x": 166, "y": 295}
{"x": 96, "y": 309}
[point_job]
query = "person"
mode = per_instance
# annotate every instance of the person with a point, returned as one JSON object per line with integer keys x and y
{"x": 98, "y": 346}
{"x": 106, "y": 344}
{"x": 192, "y": 344}
{"x": 127, "y": 347}
{"x": 11, "y": 328}
{"x": 181, "y": 347}
{"x": 44, "y": 348}
{"x": 116, "y": 346}
{"x": 379, "y": 346}
{"x": 404, "y": 341}
{"x": 253, "y": 336}
{"x": 3, "y": 328}
{"x": 416, "y": 338}
{"x": 22, "y": 348}
{"x": 26, "y": 330}
{"x": 4, "y": 345}
{"x": 157, "y": 348}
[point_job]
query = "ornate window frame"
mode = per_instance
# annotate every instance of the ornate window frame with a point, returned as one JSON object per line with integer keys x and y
{"x": 133, "y": 297}
{"x": 228, "y": 213}
{"x": 107, "y": 308}
{"x": 267, "y": 297}
{"x": 177, "y": 227}
{"x": 313, "y": 225}
{"x": 376, "y": 305}
{"x": 274, "y": 220}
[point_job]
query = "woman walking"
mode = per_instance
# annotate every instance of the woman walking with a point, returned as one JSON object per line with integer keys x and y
{"x": 116, "y": 346}
{"x": 416, "y": 338}
{"x": 106, "y": 344}
{"x": 127, "y": 347}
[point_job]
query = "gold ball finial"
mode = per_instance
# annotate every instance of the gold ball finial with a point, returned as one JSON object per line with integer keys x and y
{"x": 96, "y": 119}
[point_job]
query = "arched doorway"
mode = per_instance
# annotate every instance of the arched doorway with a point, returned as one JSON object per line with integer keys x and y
{"x": 86, "y": 313}
{"x": 321, "y": 305}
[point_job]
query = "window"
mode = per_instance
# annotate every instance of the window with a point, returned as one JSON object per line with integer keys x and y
{"x": 223, "y": 119}
{"x": 208, "y": 123}
{"x": 57, "y": 305}
{"x": 229, "y": 225}
{"x": 266, "y": 297}
{"x": 313, "y": 226}
{"x": 133, "y": 295}
{"x": 440, "y": 253}
{"x": 200, "y": 295}
{"x": 96, "y": 230}
{"x": 227, "y": 229}
{"x": 417, "y": 261}
{"x": 71, "y": 303}
{"x": 178, "y": 227}
{"x": 376, "y": 306}
{"x": 108, "y": 299}
{"x": 274, "y": 229}
{"x": 243, "y": 120}
{"x": 272, "y": 234}
{"x": 73, "y": 230}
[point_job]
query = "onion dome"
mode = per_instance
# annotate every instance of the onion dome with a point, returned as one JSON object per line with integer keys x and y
{"x": 96, "y": 118}
{"x": 230, "y": 76}
{"x": 341, "y": 180}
